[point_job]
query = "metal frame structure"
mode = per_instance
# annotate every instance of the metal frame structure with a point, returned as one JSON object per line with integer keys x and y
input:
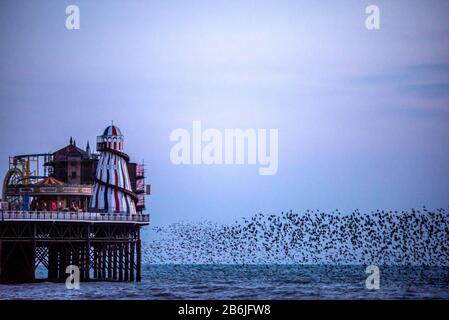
{"x": 102, "y": 250}
{"x": 24, "y": 170}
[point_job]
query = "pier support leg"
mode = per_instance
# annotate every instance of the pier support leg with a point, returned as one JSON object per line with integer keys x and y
{"x": 109, "y": 249}
{"x": 87, "y": 249}
{"x": 62, "y": 262}
{"x": 87, "y": 262}
{"x": 1, "y": 259}
{"x": 127, "y": 261}
{"x": 76, "y": 259}
{"x": 68, "y": 261}
{"x": 131, "y": 262}
{"x": 99, "y": 262}
{"x": 95, "y": 249}
{"x": 120, "y": 263}
{"x": 33, "y": 262}
{"x": 114, "y": 267}
{"x": 82, "y": 262}
{"x": 52, "y": 263}
{"x": 139, "y": 261}
{"x": 103, "y": 262}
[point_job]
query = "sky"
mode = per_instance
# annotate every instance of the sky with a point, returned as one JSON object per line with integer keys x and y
{"x": 362, "y": 115}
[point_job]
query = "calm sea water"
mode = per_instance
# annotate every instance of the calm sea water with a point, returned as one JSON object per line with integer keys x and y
{"x": 252, "y": 282}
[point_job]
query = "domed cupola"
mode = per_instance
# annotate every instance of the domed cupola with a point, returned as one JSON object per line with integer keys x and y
{"x": 111, "y": 138}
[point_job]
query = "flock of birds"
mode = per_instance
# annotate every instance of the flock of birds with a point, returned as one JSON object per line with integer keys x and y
{"x": 415, "y": 237}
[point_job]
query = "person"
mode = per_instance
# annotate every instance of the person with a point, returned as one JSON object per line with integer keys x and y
{"x": 53, "y": 206}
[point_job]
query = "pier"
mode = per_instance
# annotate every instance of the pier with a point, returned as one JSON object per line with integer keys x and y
{"x": 86, "y": 210}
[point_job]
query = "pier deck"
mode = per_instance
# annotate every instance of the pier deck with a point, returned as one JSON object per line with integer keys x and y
{"x": 63, "y": 216}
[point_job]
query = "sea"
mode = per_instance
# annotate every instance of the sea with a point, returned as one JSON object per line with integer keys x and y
{"x": 252, "y": 282}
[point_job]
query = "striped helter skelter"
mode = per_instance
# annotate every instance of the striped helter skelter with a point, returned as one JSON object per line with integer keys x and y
{"x": 112, "y": 191}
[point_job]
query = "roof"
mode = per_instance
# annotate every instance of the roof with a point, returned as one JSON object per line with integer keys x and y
{"x": 50, "y": 181}
{"x": 112, "y": 131}
{"x": 70, "y": 151}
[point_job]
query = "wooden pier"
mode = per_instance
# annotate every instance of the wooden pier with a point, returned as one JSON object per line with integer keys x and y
{"x": 102, "y": 246}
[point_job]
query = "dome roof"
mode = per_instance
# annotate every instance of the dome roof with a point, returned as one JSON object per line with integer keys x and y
{"x": 50, "y": 181}
{"x": 112, "y": 131}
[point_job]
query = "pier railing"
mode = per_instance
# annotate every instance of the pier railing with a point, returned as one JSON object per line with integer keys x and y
{"x": 72, "y": 216}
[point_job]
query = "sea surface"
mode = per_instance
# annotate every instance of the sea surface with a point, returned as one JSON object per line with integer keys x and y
{"x": 264, "y": 282}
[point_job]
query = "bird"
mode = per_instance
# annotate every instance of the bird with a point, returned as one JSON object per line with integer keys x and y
{"x": 380, "y": 237}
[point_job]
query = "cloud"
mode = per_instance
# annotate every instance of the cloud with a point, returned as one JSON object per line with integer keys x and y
{"x": 429, "y": 91}
{"x": 428, "y": 81}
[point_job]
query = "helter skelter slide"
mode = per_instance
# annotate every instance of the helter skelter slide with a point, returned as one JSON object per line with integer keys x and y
{"x": 112, "y": 190}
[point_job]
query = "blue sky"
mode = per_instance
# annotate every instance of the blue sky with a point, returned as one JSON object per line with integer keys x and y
{"x": 363, "y": 116}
